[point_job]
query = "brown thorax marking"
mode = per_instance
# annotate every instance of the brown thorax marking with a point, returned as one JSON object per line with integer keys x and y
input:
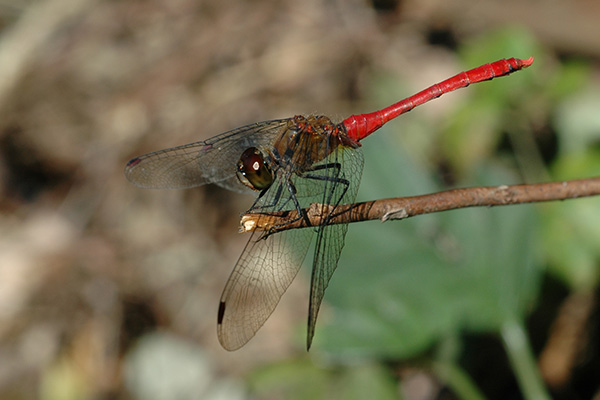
{"x": 308, "y": 140}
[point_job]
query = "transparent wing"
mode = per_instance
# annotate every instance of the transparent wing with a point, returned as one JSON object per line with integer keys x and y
{"x": 268, "y": 266}
{"x": 262, "y": 274}
{"x": 199, "y": 163}
{"x": 340, "y": 188}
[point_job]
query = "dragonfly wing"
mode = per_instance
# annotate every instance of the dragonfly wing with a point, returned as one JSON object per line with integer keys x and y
{"x": 211, "y": 161}
{"x": 340, "y": 188}
{"x": 262, "y": 274}
{"x": 264, "y": 271}
{"x": 324, "y": 265}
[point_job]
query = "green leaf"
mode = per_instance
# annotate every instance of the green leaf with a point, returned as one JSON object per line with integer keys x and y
{"x": 578, "y": 121}
{"x": 571, "y": 229}
{"x": 403, "y": 285}
{"x": 571, "y": 233}
{"x": 300, "y": 379}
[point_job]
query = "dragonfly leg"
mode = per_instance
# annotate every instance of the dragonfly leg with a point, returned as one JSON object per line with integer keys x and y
{"x": 272, "y": 202}
{"x": 273, "y": 205}
{"x": 334, "y": 180}
{"x": 342, "y": 181}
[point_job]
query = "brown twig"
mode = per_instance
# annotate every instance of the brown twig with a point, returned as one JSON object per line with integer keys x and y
{"x": 405, "y": 207}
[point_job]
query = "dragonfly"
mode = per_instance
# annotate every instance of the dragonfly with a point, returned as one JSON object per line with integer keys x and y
{"x": 289, "y": 163}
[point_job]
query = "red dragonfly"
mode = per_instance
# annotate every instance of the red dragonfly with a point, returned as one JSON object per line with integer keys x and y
{"x": 290, "y": 163}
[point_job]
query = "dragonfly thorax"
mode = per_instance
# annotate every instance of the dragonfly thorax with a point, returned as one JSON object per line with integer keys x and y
{"x": 307, "y": 141}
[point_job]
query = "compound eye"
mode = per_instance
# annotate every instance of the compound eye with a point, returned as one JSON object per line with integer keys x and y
{"x": 253, "y": 171}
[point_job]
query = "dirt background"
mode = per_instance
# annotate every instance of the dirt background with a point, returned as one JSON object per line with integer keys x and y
{"x": 90, "y": 264}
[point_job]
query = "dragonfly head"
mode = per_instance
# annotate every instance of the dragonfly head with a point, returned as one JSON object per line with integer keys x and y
{"x": 253, "y": 170}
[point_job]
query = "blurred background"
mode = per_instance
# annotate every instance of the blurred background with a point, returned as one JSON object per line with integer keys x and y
{"x": 108, "y": 291}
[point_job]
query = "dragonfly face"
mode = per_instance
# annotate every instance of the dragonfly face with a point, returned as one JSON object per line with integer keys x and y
{"x": 253, "y": 170}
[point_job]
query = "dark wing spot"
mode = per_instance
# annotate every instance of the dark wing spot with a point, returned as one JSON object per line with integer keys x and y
{"x": 133, "y": 162}
{"x": 221, "y": 312}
